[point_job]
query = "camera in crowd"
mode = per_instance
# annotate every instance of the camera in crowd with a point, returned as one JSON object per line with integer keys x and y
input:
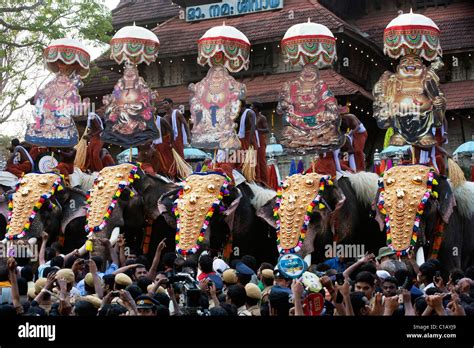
{"x": 189, "y": 287}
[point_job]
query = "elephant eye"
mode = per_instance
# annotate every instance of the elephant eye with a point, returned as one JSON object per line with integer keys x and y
{"x": 417, "y": 180}
{"x": 390, "y": 181}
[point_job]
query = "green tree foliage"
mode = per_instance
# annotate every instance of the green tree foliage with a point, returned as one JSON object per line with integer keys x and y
{"x": 27, "y": 27}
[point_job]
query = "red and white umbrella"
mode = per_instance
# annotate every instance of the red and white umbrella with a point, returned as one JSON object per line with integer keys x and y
{"x": 226, "y": 46}
{"x": 69, "y": 52}
{"x": 412, "y": 33}
{"x": 309, "y": 43}
{"x": 134, "y": 45}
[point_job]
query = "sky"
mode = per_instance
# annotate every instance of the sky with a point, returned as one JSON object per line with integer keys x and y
{"x": 15, "y": 127}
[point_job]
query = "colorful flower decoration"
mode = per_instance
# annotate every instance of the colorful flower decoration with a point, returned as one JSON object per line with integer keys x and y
{"x": 134, "y": 45}
{"x": 324, "y": 181}
{"x": 412, "y": 33}
{"x": 419, "y": 213}
{"x": 121, "y": 186}
{"x": 224, "y": 46}
{"x": 57, "y": 186}
{"x": 309, "y": 43}
{"x": 217, "y": 204}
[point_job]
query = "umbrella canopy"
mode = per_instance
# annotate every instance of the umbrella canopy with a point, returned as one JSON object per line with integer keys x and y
{"x": 412, "y": 33}
{"x": 393, "y": 150}
{"x": 226, "y": 46}
{"x": 134, "y": 45}
{"x": 193, "y": 154}
{"x": 467, "y": 148}
{"x": 274, "y": 150}
{"x": 69, "y": 52}
{"x": 309, "y": 43}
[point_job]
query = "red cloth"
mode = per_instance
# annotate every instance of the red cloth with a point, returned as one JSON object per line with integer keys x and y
{"x": 472, "y": 173}
{"x": 108, "y": 160}
{"x": 163, "y": 160}
{"x": 93, "y": 161}
{"x": 262, "y": 169}
{"x": 148, "y": 168}
{"x": 36, "y": 150}
{"x": 65, "y": 168}
{"x": 272, "y": 177}
{"x": 226, "y": 168}
{"x": 19, "y": 169}
{"x": 358, "y": 144}
{"x": 178, "y": 142}
{"x": 324, "y": 165}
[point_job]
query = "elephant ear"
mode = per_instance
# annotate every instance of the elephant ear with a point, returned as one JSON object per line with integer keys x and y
{"x": 73, "y": 203}
{"x": 266, "y": 213}
{"x": 447, "y": 202}
{"x": 165, "y": 206}
{"x": 229, "y": 213}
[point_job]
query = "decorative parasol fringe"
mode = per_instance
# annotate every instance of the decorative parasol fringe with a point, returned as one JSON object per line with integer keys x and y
{"x": 456, "y": 175}
{"x": 182, "y": 167}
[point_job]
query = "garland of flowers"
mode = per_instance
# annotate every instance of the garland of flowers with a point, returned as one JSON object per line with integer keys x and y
{"x": 56, "y": 186}
{"x": 325, "y": 180}
{"x": 419, "y": 212}
{"x": 122, "y": 185}
{"x": 217, "y": 204}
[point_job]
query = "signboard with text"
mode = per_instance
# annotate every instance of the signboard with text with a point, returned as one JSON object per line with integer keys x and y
{"x": 227, "y": 8}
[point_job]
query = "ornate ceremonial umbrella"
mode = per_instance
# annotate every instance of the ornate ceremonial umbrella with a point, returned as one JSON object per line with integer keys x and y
{"x": 412, "y": 33}
{"x": 309, "y": 43}
{"x": 69, "y": 52}
{"x": 58, "y": 101}
{"x": 224, "y": 46}
{"x": 308, "y": 105}
{"x": 129, "y": 113}
{"x": 216, "y": 99}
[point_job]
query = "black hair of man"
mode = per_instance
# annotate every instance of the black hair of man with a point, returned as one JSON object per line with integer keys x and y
{"x": 259, "y": 106}
{"x": 49, "y": 253}
{"x": 392, "y": 280}
{"x": 358, "y": 302}
{"x": 4, "y": 274}
{"x": 420, "y": 305}
{"x": 162, "y": 299}
{"x": 428, "y": 270}
{"x": 57, "y": 261}
{"x": 143, "y": 283}
{"x": 368, "y": 267}
{"x": 456, "y": 274}
{"x": 109, "y": 281}
{"x": 205, "y": 263}
{"x": 250, "y": 301}
{"x": 230, "y": 308}
{"x": 250, "y": 262}
{"x": 134, "y": 290}
{"x": 218, "y": 312}
{"x": 243, "y": 279}
{"x": 22, "y": 286}
{"x": 237, "y": 295}
{"x": 99, "y": 261}
{"x": 85, "y": 309}
{"x": 279, "y": 302}
{"x": 365, "y": 277}
{"x": 169, "y": 100}
{"x": 27, "y": 273}
{"x": 48, "y": 270}
{"x": 112, "y": 310}
{"x": 57, "y": 247}
{"x": 168, "y": 259}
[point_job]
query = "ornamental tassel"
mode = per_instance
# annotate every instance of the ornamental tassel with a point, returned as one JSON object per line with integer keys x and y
{"x": 182, "y": 167}
{"x": 456, "y": 175}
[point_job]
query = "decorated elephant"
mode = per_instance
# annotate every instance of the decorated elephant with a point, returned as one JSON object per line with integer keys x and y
{"x": 419, "y": 209}
{"x": 40, "y": 203}
{"x": 210, "y": 213}
{"x": 122, "y": 200}
{"x": 312, "y": 214}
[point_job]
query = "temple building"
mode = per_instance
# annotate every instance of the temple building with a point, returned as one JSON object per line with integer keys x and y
{"x": 357, "y": 25}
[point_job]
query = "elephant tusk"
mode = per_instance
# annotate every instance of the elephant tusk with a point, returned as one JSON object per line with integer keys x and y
{"x": 82, "y": 250}
{"x": 114, "y": 235}
{"x": 32, "y": 241}
{"x": 4, "y": 241}
{"x": 307, "y": 259}
{"x": 420, "y": 256}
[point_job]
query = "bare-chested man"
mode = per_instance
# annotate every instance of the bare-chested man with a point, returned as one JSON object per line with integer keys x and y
{"x": 181, "y": 133}
{"x": 357, "y": 132}
{"x": 262, "y": 130}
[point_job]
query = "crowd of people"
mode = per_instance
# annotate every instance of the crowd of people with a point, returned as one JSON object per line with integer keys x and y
{"x": 125, "y": 284}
